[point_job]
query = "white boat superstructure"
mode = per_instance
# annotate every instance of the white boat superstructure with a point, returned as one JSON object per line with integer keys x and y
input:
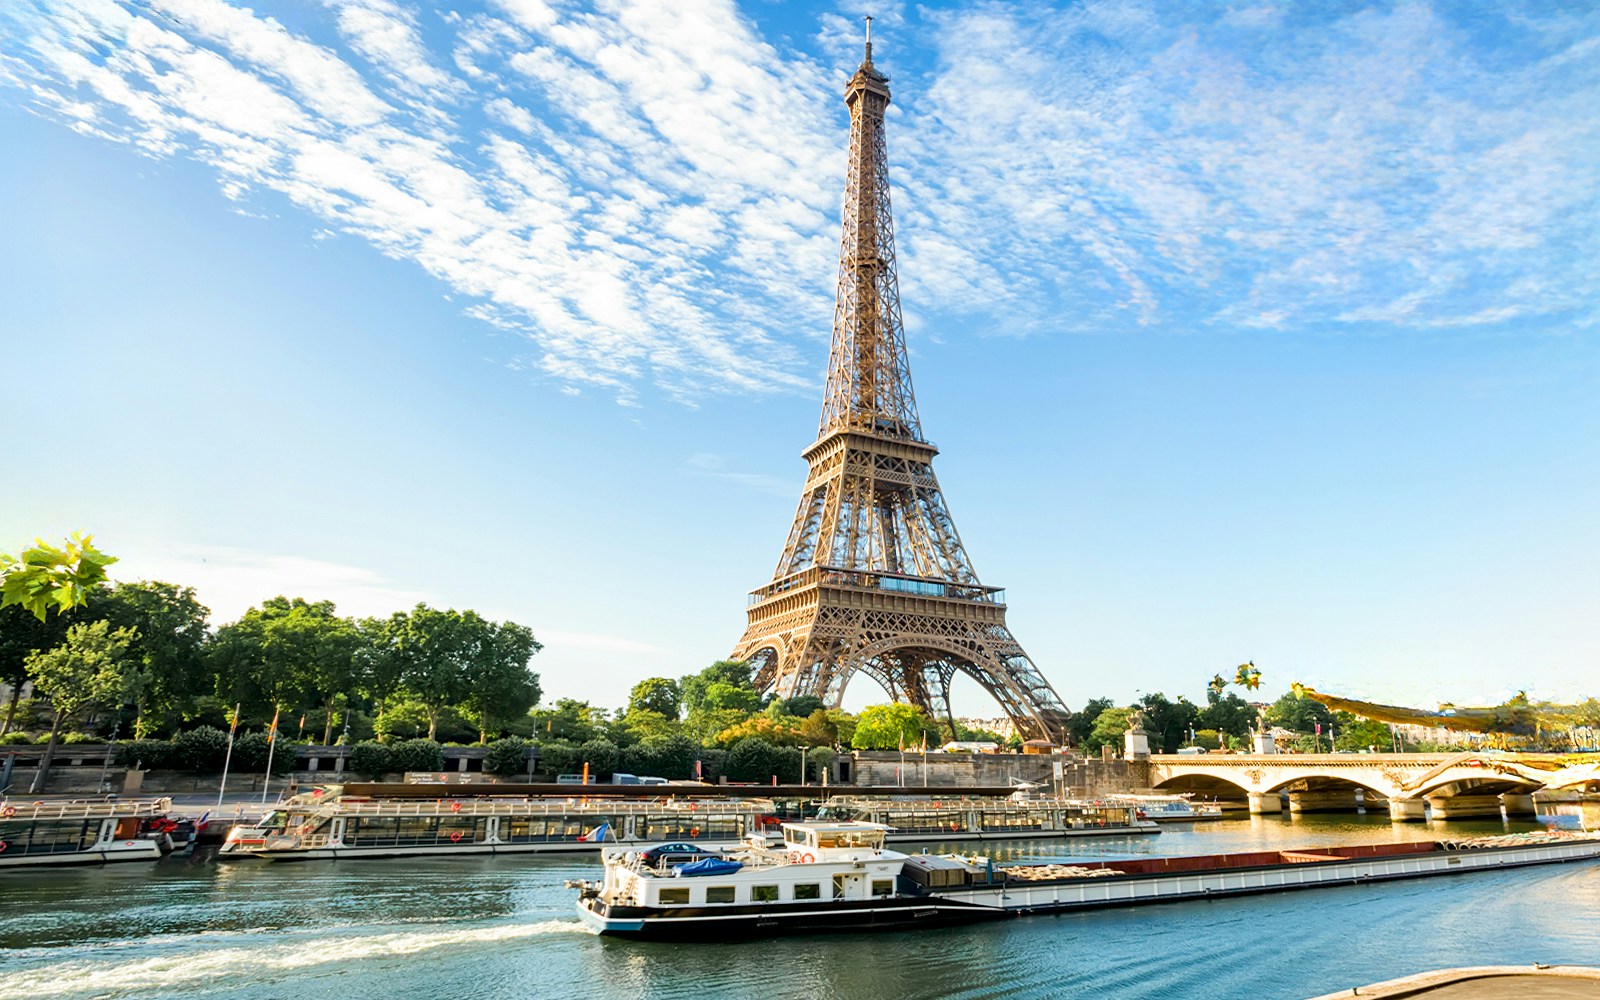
{"x": 37, "y": 834}
{"x": 1169, "y": 808}
{"x": 1022, "y": 816}
{"x": 325, "y": 824}
{"x": 825, "y": 874}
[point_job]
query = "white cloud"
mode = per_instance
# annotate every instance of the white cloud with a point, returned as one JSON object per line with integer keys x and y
{"x": 230, "y": 581}
{"x": 649, "y": 192}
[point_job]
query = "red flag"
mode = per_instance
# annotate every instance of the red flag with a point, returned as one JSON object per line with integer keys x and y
{"x": 1319, "y": 728}
{"x": 272, "y": 733}
{"x": 233, "y": 721}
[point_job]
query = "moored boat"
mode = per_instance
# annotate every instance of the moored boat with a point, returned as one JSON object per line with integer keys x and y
{"x": 39, "y": 834}
{"x": 1170, "y": 808}
{"x": 325, "y": 824}
{"x": 835, "y": 876}
{"x": 1016, "y": 817}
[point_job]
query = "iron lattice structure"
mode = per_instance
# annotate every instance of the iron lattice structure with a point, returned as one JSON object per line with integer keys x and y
{"x": 874, "y": 578}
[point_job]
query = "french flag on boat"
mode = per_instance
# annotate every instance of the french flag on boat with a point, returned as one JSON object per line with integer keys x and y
{"x": 598, "y": 834}
{"x": 203, "y": 822}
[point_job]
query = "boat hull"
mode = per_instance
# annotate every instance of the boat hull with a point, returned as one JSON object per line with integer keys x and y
{"x": 131, "y": 850}
{"x": 721, "y": 923}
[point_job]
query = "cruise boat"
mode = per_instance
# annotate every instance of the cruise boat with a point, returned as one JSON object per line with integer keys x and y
{"x": 324, "y": 824}
{"x": 39, "y": 834}
{"x": 839, "y": 876}
{"x": 1170, "y": 808}
{"x": 1020, "y": 816}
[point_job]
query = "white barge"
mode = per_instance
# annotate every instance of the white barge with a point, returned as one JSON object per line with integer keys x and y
{"x": 53, "y": 834}
{"x": 325, "y": 824}
{"x": 1017, "y": 817}
{"x": 837, "y": 876}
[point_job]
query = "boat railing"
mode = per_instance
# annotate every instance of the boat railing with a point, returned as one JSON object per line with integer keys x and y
{"x": 532, "y": 807}
{"x": 81, "y": 809}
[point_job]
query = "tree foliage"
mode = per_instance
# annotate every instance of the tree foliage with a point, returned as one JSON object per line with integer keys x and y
{"x": 46, "y": 576}
{"x": 893, "y": 727}
{"x": 660, "y": 695}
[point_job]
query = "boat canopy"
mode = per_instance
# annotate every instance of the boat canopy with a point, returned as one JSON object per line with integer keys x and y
{"x": 708, "y": 866}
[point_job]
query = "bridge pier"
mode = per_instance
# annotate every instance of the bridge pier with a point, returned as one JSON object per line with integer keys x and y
{"x": 1464, "y": 806}
{"x": 1334, "y": 801}
{"x": 1408, "y": 810}
{"x": 1516, "y": 804}
{"x": 1264, "y": 803}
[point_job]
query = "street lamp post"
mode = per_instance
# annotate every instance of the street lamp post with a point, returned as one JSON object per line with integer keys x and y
{"x": 803, "y": 766}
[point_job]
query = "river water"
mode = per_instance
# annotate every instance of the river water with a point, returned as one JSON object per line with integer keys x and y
{"x": 503, "y": 927}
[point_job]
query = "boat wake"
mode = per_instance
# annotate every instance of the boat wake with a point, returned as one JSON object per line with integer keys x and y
{"x": 194, "y": 961}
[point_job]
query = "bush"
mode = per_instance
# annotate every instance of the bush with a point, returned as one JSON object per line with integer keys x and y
{"x": 73, "y": 739}
{"x": 200, "y": 750}
{"x": 661, "y": 757}
{"x": 372, "y": 759}
{"x": 602, "y": 757}
{"x": 418, "y": 755}
{"x": 756, "y": 759}
{"x": 507, "y": 757}
{"x": 559, "y": 757}
{"x": 14, "y": 737}
{"x": 147, "y": 754}
{"x": 251, "y": 751}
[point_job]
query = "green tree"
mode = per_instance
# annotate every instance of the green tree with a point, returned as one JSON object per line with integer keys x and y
{"x": 569, "y": 720}
{"x": 435, "y": 649}
{"x": 88, "y": 669}
{"x": 170, "y": 651}
{"x": 21, "y": 635}
{"x": 801, "y": 705}
{"x": 1168, "y": 722}
{"x": 1299, "y": 714}
{"x": 499, "y": 685}
{"x": 892, "y": 727}
{"x": 720, "y": 696}
{"x": 695, "y": 686}
{"x": 1352, "y": 732}
{"x": 1227, "y": 713}
{"x": 283, "y": 654}
{"x": 507, "y": 757}
{"x": 755, "y": 759}
{"x": 45, "y": 576}
{"x": 1109, "y": 727}
{"x": 1081, "y": 724}
{"x": 660, "y": 695}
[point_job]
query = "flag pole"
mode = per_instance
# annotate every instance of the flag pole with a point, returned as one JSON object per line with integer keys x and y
{"x": 233, "y": 727}
{"x": 272, "y": 744}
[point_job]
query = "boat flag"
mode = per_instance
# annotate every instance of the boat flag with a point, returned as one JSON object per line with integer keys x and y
{"x": 203, "y": 822}
{"x": 598, "y": 834}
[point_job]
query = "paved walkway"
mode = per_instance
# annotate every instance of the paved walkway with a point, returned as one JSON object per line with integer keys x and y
{"x": 1488, "y": 982}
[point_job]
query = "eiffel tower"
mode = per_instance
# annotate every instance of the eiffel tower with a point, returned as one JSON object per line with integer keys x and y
{"x": 874, "y": 578}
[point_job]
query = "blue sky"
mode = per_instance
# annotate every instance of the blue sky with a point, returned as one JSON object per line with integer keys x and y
{"x": 1247, "y": 331}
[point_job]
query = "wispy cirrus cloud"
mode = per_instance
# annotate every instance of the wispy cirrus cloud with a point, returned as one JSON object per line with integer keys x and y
{"x": 648, "y": 192}
{"x": 1120, "y": 164}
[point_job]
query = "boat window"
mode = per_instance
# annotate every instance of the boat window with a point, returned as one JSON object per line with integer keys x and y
{"x": 883, "y": 887}
{"x": 810, "y": 890}
{"x": 719, "y": 894}
{"x": 764, "y": 893}
{"x": 841, "y": 886}
{"x": 671, "y": 896}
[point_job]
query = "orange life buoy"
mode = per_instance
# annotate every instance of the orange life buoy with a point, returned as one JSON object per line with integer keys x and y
{"x": 694, "y": 831}
{"x": 807, "y": 858}
{"x": 794, "y": 857}
{"x": 8, "y": 811}
{"x": 455, "y": 836}
{"x": 455, "y": 807}
{"x": 3, "y": 846}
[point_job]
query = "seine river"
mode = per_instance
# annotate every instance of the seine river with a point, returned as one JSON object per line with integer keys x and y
{"x": 504, "y": 928}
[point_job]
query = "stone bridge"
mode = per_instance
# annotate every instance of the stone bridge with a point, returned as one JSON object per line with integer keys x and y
{"x": 1452, "y": 785}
